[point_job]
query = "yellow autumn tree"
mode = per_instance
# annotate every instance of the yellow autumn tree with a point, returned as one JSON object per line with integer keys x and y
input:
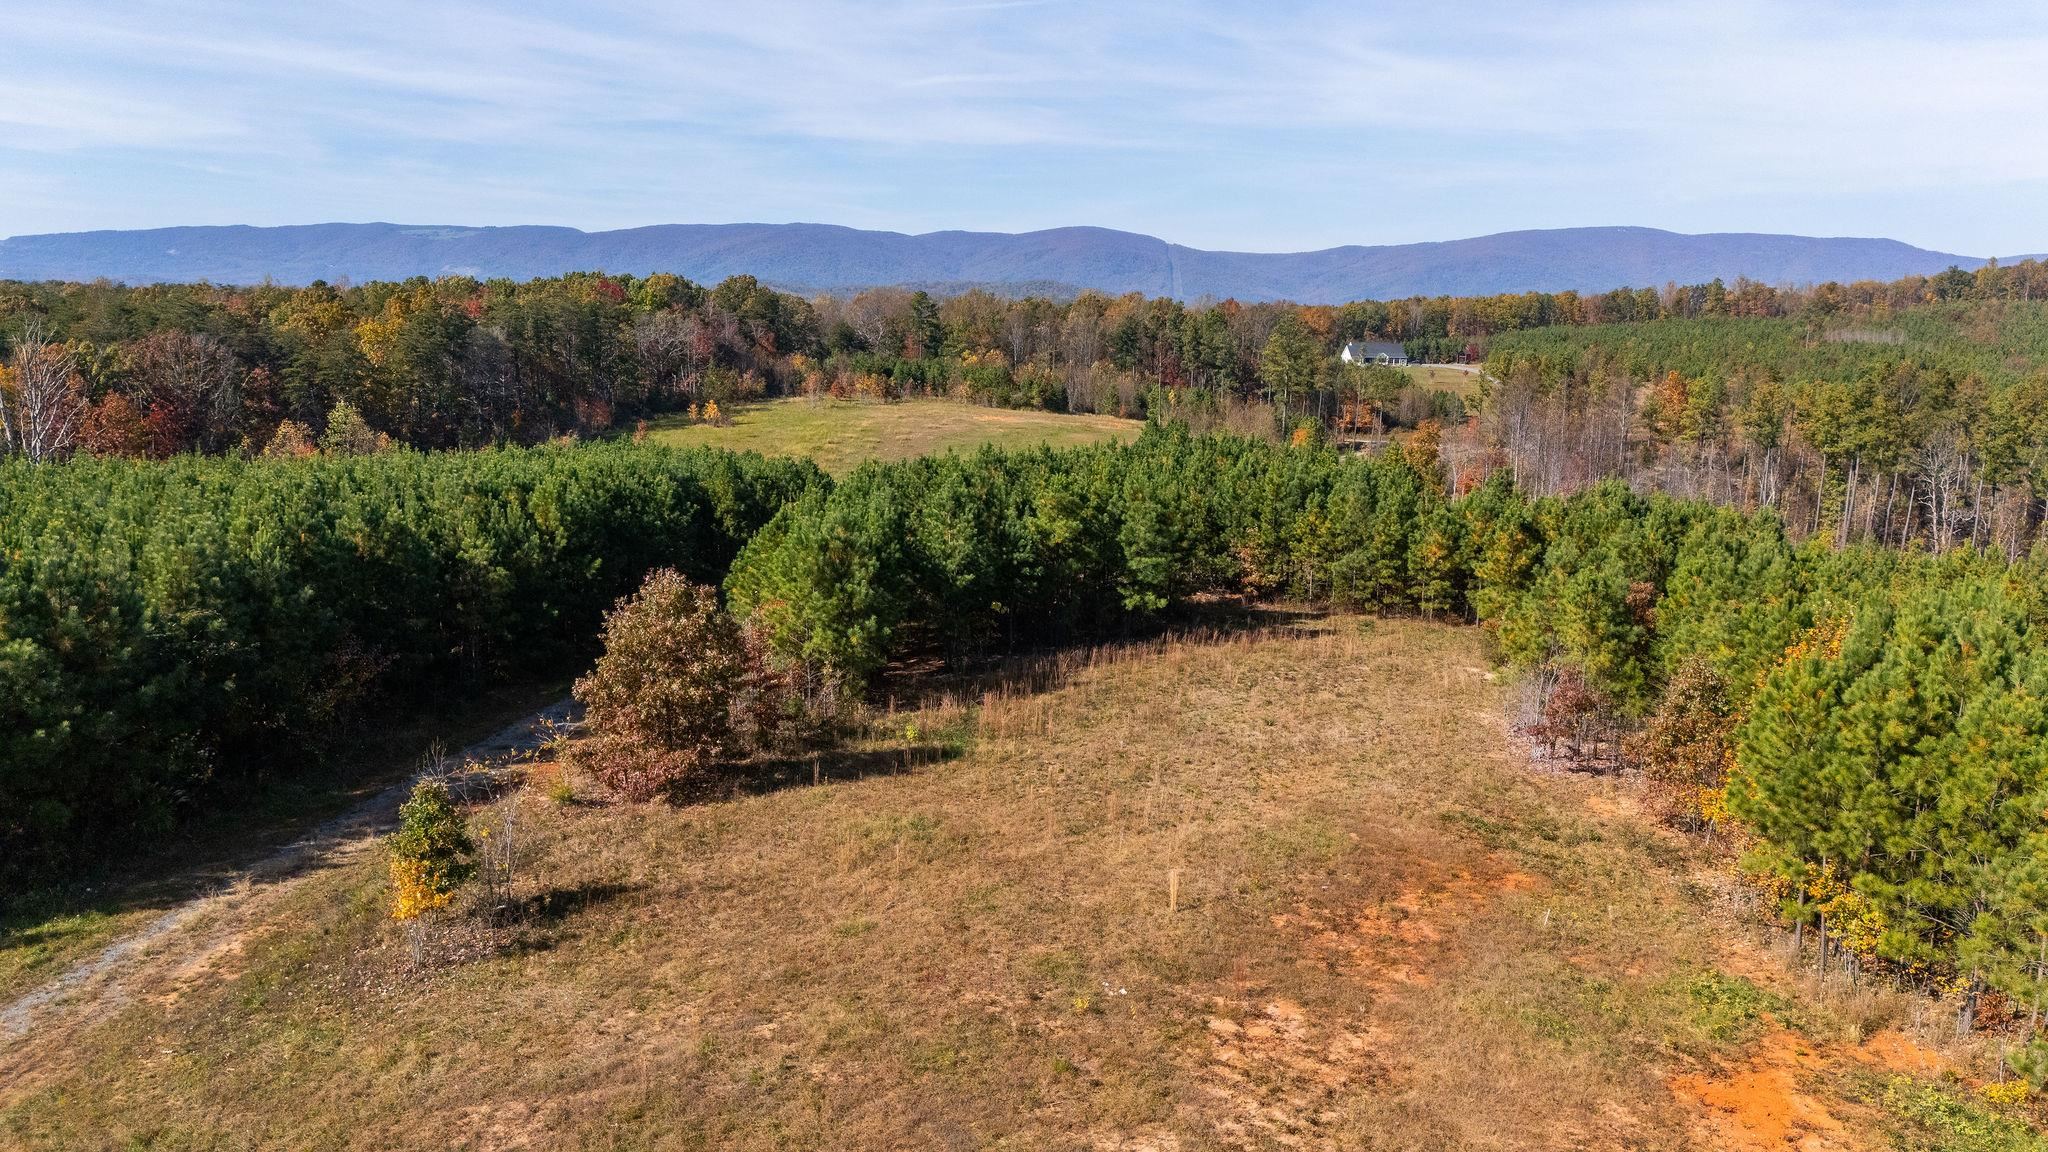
{"x": 431, "y": 856}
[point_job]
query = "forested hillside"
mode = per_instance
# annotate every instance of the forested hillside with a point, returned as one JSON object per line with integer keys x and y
{"x": 1920, "y": 424}
{"x": 1896, "y": 412}
{"x": 824, "y": 257}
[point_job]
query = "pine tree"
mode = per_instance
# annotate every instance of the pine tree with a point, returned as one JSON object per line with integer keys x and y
{"x": 828, "y": 578}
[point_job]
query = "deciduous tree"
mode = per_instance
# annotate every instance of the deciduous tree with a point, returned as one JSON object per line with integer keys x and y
{"x": 42, "y": 401}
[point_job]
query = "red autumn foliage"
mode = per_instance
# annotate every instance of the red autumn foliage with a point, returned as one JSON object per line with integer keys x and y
{"x": 1576, "y": 722}
{"x": 113, "y": 427}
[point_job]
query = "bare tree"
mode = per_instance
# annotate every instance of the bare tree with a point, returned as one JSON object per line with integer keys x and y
{"x": 1080, "y": 334}
{"x": 665, "y": 345}
{"x": 196, "y": 380}
{"x": 41, "y": 403}
{"x": 878, "y": 313}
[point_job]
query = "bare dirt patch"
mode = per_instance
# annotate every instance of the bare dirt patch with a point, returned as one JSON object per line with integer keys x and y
{"x": 1275, "y": 1075}
{"x": 1894, "y": 1051}
{"x": 1397, "y": 941}
{"x": 1763, "y": 1105}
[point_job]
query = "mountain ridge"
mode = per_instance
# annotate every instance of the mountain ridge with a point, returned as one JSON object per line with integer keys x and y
{"x": 829, "y": 257}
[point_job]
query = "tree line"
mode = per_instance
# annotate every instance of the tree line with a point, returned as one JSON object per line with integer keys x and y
{"x": 1921, "y": 428}
{"x": 160, "y": 370}
{"x": 172, "y": 632}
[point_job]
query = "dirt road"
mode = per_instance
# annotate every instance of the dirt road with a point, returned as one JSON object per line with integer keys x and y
{"x": 180, "y": 944}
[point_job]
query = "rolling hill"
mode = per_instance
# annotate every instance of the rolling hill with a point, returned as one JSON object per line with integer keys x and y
{"x": 810, "y": 257}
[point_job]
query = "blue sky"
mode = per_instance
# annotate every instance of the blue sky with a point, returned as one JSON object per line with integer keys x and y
{"x": 1254, "y": 126}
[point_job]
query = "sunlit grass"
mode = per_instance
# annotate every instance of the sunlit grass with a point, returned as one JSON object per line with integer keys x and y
{"x": 840, "y": 434}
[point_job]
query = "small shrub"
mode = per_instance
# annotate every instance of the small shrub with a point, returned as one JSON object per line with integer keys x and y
{"x": 769, "y": 706}
{"x": 561, "y": 789}
{"x": 2006, "y": 1093}
{"x": 1729, "y": 1008}
{"x": 1575, "y": 722}
{"x": 431, "y": 853}
{"x": 1955, "y": 1122}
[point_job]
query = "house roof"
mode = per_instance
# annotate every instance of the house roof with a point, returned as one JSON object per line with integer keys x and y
{"x": 1373, "y": 349}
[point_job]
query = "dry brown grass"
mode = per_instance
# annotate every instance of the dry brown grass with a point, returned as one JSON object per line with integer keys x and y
{"x": 1390, "y": 934}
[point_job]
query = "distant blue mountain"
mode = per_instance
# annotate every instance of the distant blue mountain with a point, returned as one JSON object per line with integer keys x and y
{"x": 815, "y": 257}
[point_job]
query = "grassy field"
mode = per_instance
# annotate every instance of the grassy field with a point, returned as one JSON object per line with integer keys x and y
{"x": 1436, "y": 377}
{"x": 840, "y": 434}
{"x": 1284, "y": 888}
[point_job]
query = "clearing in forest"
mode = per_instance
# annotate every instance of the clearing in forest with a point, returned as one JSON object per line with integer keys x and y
{"x": 840, "y": 434}
{"x": 1461, "y": 381}
{"x": 1289, "y": 887}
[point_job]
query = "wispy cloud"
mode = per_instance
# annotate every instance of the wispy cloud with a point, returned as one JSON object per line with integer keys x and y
{"x": 1292, "y": 124}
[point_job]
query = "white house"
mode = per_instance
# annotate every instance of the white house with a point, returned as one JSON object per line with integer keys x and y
{"x": 1373, "y": 352}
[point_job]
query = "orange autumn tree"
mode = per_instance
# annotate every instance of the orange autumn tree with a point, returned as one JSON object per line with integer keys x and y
{"x": 668, "y": 697}
{"x": 1687, "y": 749}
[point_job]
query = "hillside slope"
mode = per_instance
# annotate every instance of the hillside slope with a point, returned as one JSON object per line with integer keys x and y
{"x": 1290, "y": 888}
{"x": 823, "y": 257}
